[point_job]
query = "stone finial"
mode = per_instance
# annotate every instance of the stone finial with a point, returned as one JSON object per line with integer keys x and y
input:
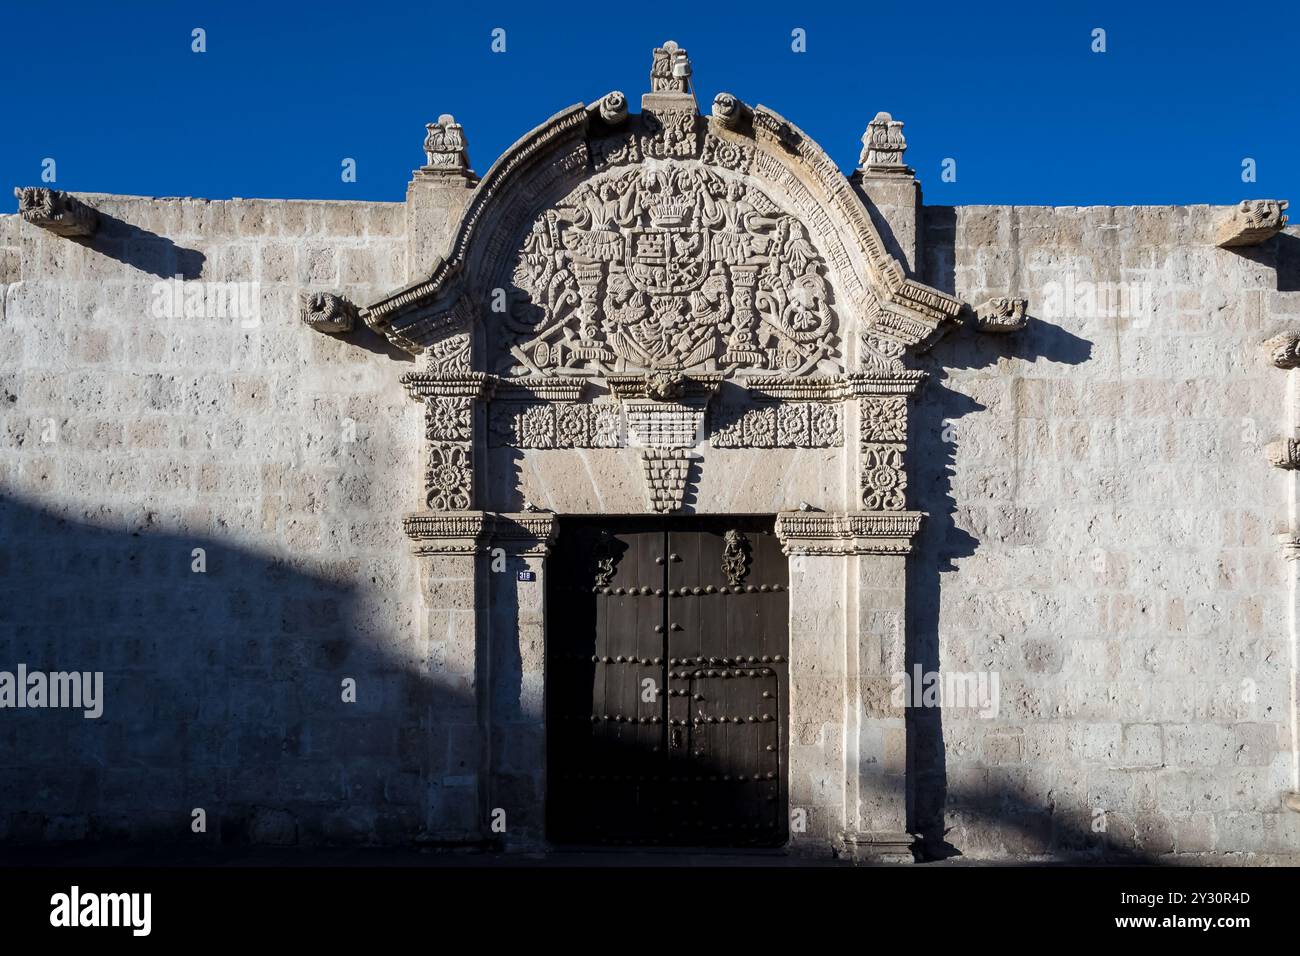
{"x": 613, "y": 107}
{"x": 670, "y": 70}
{"x": 327, "y": 312}
{"x": 445, "y": 150}
{"x": 59, "y": 212}
{"x": 1284, "y": 350}
{"x": 883, "y": 146}
{"x": 1284, "y": 453}
{"x": 1250, "y": 222}
{"x": 1001, "y": 315}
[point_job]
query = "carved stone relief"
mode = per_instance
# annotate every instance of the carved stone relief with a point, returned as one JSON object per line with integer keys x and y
{"x": 666, "y": 267}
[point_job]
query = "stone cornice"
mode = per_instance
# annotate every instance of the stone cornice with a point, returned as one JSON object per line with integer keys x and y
{"x": 474, "y": 532}
{"x": 477, "y": 385}
{"x": 851, "y": 533}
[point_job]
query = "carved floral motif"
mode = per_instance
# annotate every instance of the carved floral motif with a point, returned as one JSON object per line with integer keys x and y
{"x": 883, "y": 479}
{"x": 449, "y": 477}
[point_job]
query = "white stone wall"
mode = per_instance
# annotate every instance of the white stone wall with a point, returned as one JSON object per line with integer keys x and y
{"x": 131, "y": 438}
{"x": 1102, "y": 538}
{"x": 1103, "y": 535}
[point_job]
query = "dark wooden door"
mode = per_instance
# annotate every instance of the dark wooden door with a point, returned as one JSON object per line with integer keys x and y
{"x": 666, "y": 683}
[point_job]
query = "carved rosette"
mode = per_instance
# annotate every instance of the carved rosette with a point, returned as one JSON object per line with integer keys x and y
{"x": 327, "y": 312}
{"x": 883, "y": 437}
{"x": 449, "y": 477}
{"x": 56, "y": 211}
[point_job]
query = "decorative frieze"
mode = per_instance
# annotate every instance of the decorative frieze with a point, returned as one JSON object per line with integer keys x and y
{"x": 790, "y": 425}
{"x": 1001, "y": 315}
{"x": 1250, "y": 222}
{"x": 666, "y": 474}
{"x": 814, "y": 532}
{"x": 56, "y": 211}
{"x": 327, "y": 312}
{"x": 555, "y": 425}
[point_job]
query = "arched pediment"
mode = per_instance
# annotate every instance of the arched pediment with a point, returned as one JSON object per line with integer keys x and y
{"x": 604, "y": 242}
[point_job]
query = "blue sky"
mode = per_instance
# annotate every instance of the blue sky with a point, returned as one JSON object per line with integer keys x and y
{"x": 285, "y": 91}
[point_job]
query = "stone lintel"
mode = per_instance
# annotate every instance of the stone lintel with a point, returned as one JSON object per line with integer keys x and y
{"x": 1250, "y": 222}
{"x": 56, "y": 211}
{"x": 849, "y": 533}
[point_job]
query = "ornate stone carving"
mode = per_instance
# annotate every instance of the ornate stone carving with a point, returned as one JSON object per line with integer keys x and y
{"x": 560, "y": 425}
{"x": 819, "y": 533}
{"x": 1250, "y": 222}
{"x": 667, "y": 268}
{"x": 449, "y": 477}
{"x": 666, "y": 473}
{"x": 327, "y": 312}
{"x": 791, "y": 425}
{"x": 884, "y": 480}
{"x": 1284, "y": 453}
{"x": 445, "y": 150}
{"x": 1001, "y": 315}
{"x": 884, "y": 419}
{"x": 730, "y": 112}
{"x": 883, "y": 146}
{"x": 441, "y": 533}
{"x": 448, "y": 419}
{"x": 58, "y": 212}
{"x": 736, "y": 556}
{"x": 664, "y": 424}
{"x": 613, "y": 108}
{"x": 1284, "y": 350}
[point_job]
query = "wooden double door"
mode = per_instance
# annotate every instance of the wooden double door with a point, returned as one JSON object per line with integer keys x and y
{"x": 667, "y": 664}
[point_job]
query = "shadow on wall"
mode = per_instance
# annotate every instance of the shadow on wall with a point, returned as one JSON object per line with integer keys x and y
{"x": 935, "y": 441}
{"x": 222, "y": 690}
{"x": 142, "y": 249}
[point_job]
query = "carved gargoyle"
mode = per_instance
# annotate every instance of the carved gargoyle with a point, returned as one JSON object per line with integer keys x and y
{"x": 56, "y": 211}
{"x": 327, "y": 312}
{"x": 1001, "y": 315}
{"x": 1251, "y": 222}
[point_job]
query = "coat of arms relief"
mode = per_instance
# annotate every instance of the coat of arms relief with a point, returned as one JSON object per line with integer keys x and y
{"x": 667, "y": 266}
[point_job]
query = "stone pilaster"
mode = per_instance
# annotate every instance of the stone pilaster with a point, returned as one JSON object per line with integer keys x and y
{"x": 515, "y": 669}
{"x": 436, "y": 196}
{"x": 848, "y": 748}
